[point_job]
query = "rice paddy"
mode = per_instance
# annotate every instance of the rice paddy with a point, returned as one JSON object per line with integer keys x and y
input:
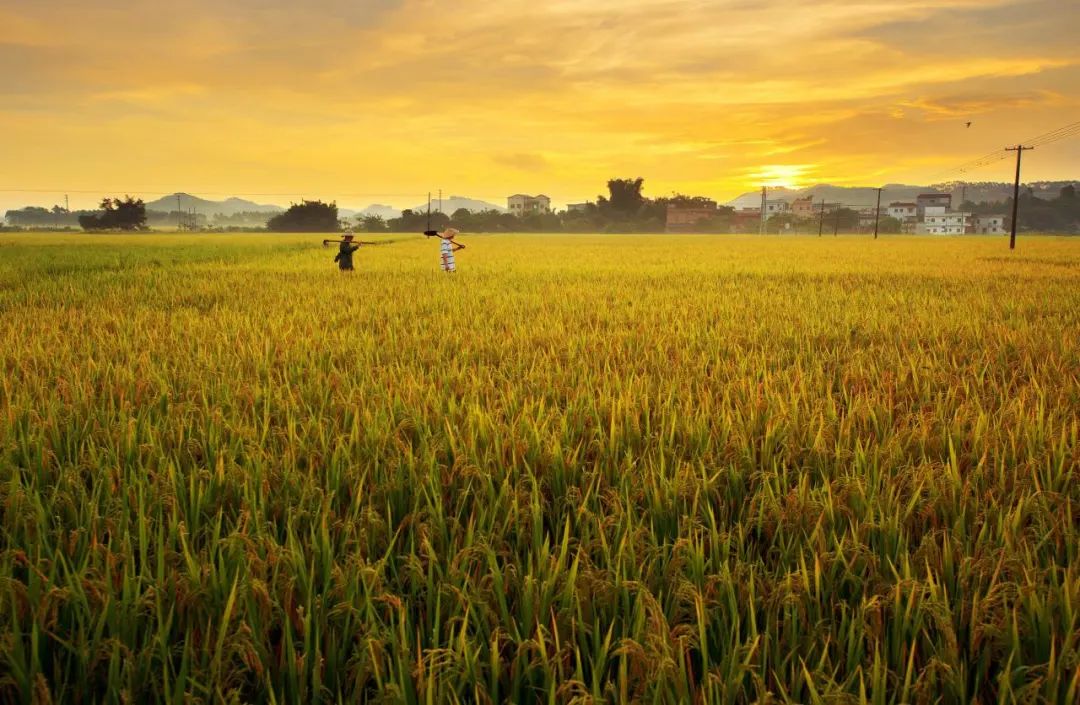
{"x": 583, "y": 469}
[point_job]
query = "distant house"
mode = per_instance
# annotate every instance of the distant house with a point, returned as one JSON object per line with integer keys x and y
{"x": 747, "y": 219}
{"x": 990, "y": 224}
{"x": 681, "y": 219}
{"x": 903, "y": 211}
{"x": 578, "y": 207}
{"x": 932, "y": 200}
{"x": 803, "y": 207}
{"x": 776, "y": 207}
{"x": 868, "y": 216}
{"x": 519, "y": 204}
{"x": 939, "y": 221}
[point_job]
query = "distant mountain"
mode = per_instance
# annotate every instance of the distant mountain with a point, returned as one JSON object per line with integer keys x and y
{"x": 449, "y": 205}
{"x": 230, "y": 206}
{"x": 380, "y": 209}
{"x": 848, "y": 195}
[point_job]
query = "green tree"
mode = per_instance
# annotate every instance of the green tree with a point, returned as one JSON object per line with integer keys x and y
{"x": 126, "y": 214}
{"x": 411, "y": 221}
{"x": 306, "y": 217}
{"x": 847, "y": 218}
{"x": 890, "y": 226}
{"x": 371, "y": 223}
{"x": 625, "y": 196}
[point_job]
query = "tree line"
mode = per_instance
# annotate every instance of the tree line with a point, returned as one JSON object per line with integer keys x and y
{"x": 625, "y": 209}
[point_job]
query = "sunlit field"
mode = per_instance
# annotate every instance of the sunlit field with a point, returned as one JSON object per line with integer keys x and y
{"x": 659, "y": 469}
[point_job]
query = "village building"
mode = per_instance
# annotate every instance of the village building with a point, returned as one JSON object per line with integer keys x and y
{"x": 519, "y": 204}
{"x": 932, "y": 200}
{"x": 803, "y": 207}
{"x": 868, "y": 216}
{"x": 775, "y": 207}
{"x": 681, "y": 219}
{"x": 746, "y": 220}
{"x": 990, "y": 225}
{"x": 940, "y": 221}
{"x": 903, "y": 212}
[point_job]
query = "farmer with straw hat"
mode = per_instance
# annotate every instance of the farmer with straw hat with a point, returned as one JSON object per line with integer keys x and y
{"x": 447, "y": 247}
{"x": 345, "y": 253}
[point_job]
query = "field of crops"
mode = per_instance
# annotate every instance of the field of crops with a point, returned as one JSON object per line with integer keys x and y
{"x": 583, "y": 469}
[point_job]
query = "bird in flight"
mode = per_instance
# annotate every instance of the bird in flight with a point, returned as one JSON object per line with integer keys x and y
{"x": 968, "y": 124}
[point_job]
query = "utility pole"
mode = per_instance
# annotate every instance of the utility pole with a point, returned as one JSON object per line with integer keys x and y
{"x": 179, "y": 214}
{"x": 821, "y": 218}
{"x": 440, "y": 200}
{"x": 963, "y": 196}
{"x": 1019, "y": 149}
{"x": 67, "y": 206}
{"x": 877, "y": 213}
{"x": 836, "y": 228}
{"x": 763, "y": 207}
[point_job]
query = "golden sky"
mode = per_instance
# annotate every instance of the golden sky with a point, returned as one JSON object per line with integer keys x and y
{"x": 381, "y": 100}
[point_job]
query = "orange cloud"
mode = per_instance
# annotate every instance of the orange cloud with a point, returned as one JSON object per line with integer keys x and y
{"x": 375, "y": 97}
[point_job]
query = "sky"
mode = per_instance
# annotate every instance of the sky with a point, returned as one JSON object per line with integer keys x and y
{"x": 380, "y": 101}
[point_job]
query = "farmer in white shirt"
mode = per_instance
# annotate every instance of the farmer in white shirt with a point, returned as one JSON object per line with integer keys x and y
{"x": 448, "y": 246}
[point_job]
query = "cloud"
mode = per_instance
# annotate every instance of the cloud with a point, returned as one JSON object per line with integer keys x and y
{"x": 390, "y": 95}
{"x": 522, "y": 161}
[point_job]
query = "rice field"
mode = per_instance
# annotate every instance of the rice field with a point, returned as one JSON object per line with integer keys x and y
{"x": 583, "y": 469}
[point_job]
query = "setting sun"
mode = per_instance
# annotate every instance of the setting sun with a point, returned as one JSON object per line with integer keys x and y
{"x": 791, "y": 176}
{"x": 384, "y": 100}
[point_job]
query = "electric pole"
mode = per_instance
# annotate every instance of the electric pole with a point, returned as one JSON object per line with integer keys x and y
{"x": 1019, "y": 149}
{"x": 877, "y": 213}
{"x": 440, "y": 200}
{"x": 763, "y": 207}
{"x": 836, "y": 227}
{"x": 179, "y": 214}
{"x": 67, "y": 206}
{"x": 821, "y": 218}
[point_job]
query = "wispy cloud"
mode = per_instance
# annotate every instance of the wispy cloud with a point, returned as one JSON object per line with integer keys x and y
{"x": 392, "y": 95}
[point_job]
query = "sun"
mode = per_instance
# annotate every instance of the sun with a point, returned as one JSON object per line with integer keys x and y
{"x": 789, "y": 176}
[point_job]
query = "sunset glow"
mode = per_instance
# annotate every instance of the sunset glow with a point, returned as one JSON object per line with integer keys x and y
{"x": 382, "y": 100}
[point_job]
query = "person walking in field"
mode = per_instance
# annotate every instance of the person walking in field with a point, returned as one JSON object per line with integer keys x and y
{"x": 345, "y": 253}
{"x": 448, "y": 246}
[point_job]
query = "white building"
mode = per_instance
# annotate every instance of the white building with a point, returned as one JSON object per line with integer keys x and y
{"x": 932, "y": 200}
{"x": 907, "y": 213}
{"x": 519, "y": 204}
{"x": 943, "y": 223}
{"x": 903, "y": 211}
{"x": 776, "y": 207}
{"x": 990, "y": 224}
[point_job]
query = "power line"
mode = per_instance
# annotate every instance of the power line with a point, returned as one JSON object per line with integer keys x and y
{"x": 1054, "y": 136}
{"x": 1063, "y": 132}
{"x": 1057, "y": 136}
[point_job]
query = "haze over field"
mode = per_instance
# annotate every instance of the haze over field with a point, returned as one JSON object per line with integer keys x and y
{"x": 377, "y": 101}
